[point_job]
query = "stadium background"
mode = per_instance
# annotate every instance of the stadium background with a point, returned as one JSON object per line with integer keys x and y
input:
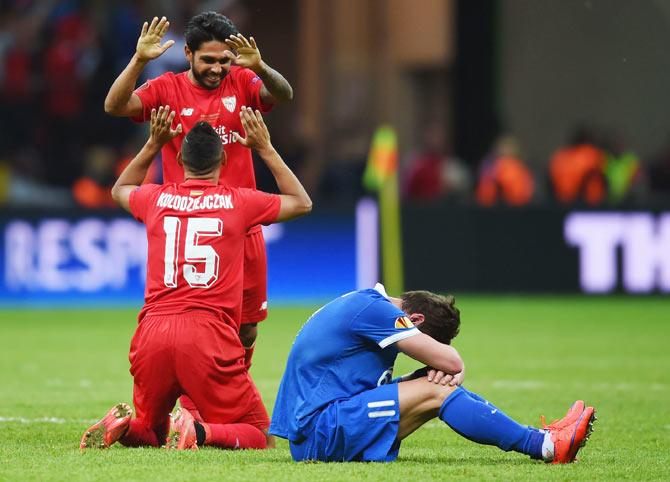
{"x": 464, "y": 84}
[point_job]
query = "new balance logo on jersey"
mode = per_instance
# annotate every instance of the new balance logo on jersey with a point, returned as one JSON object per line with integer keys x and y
{"x": 189, "y": 204}
{"x": 187, "y": 111}
{"x": 229, "y": 103}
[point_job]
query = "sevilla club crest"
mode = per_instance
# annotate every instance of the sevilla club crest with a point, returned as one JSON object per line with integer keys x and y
{"x": 229, "y": 103}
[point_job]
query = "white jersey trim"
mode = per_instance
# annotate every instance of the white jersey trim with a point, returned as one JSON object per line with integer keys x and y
{"x": 379, "y": 288}
{"x": 389, "y": 340}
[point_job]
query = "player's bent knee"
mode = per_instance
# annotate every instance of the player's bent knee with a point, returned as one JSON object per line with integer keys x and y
{"x": 422, "y": 395}
{"x": 441, "y": 393}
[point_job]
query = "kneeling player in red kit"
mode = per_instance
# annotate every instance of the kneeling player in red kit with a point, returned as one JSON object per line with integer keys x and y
{"x": 187, "y": 341}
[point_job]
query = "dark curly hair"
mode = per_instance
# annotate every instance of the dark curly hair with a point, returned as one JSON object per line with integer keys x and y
{"x": 208, "y": 26}
{"x": 442, "y": 319}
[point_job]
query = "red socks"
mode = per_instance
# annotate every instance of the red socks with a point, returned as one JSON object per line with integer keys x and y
{"x": 234, "y": 436}
{"x": 226, "y": 436}
{"x": 139, "y": 435}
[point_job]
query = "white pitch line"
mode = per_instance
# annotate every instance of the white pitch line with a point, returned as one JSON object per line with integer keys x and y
{"x": 433, "y": 424}
{"x": 31, "y": 420}
{"x": 55, "y": 420}
{"x": 519, "y": 384}
{"x": 538, "y": 385}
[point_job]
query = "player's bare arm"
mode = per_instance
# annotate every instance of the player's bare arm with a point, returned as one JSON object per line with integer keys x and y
{"x": 427, "y": 350}
{"x": 275, "y": 87}
{"x": 435, "y": 376}
{"x": 295, "y": 201}
{"x": 120, "y": 100}
{"x": 161, "y": 132}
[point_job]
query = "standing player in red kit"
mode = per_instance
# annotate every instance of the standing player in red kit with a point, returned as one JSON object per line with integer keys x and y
{"x": 212, "y": 90}
{"x": 187, "y": 339}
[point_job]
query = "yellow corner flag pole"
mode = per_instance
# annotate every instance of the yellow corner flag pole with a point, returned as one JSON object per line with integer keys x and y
{"x": 391, "y": 237}
{"x": 381, "y": 175}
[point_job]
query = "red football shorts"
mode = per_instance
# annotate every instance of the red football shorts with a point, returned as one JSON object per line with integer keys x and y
{"x": 255, "y": 286}
{"x": 198, "y": 355}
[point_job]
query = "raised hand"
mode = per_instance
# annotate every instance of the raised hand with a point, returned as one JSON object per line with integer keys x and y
{"x": 258, "y": 136}
{"x": 161, "y": 130}
{"x": 248, "y": 55}
{"x": 149, "y": 44}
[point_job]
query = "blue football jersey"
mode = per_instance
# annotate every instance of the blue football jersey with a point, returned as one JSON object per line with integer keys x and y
{"x": 345, "y": 348}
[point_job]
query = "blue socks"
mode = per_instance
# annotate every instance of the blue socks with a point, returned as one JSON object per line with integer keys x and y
{"x": 482, "y": 399}
{"x": 476, "y": 419}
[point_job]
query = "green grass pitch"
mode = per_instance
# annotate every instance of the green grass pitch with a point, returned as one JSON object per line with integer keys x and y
{"x": 61, "y": 369}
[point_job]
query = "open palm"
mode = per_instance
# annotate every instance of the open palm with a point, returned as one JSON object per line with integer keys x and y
{"x": 248, "y": 55}
{"x": 149, "y": 44}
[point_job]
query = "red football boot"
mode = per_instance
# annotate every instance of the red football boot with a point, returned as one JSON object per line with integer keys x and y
{"x": 569, "y": 439}
{"x": 182, "y": 435}
{"x": 573, "y": 414}
{"x": 108, "y": 430}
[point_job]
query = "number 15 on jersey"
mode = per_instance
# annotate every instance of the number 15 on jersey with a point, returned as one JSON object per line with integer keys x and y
{"x": 195, "y": 255}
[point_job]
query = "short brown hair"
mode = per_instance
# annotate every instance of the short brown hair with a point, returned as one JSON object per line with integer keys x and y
{"x": 442, "y": 319}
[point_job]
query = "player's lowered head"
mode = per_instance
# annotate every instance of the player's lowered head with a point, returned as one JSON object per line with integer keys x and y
{"x": 439, "y": 321}
{"x": 435, "y": 315}
{"x": 202, "y": 153}
{"x": 206, "y": 50}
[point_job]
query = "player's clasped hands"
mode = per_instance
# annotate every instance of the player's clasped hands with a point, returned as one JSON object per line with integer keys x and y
{"x": 149, "y": 44}
{"x": 161, "y": 130}
{"x": 444, "y": 379}
{"x": 257, "y": 134}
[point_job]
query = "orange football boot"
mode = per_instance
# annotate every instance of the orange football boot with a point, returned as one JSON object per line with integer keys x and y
{"x": 569, "y": 439}
{"x": 182, "y": 435}
{"x": 108, "y": 430}
{"x": 573, "y": 414}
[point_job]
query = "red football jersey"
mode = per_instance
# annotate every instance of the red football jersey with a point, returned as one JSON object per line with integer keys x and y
{"x": 220, "y": 107}
{"x": 195, "y": 233}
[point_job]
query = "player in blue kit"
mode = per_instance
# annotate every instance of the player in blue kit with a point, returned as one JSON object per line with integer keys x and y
{"x": 338, "y": 402}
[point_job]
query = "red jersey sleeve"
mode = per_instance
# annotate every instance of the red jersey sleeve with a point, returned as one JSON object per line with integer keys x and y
{"x": 259, "y": 207}
{"x": 140, "y": 200}
{"x": 250, "y": 83}
{"x": 152, "y": 93}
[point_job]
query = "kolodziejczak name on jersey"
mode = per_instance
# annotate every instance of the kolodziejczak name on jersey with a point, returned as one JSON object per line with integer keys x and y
{"x": 189, "y": 204}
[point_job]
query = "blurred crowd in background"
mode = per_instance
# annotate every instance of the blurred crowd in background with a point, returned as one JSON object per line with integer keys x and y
{"x": 58, "y": 148}
{"x": 592, "y": 168}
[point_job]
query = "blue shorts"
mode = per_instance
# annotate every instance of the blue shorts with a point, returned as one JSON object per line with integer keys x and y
{"x": 362, "y": 428}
